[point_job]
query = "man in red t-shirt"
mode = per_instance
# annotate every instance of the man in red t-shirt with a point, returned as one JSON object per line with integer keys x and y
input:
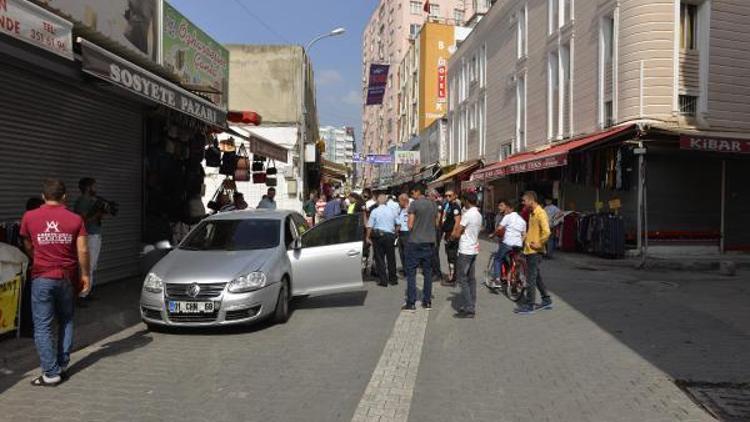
{"x": 56, "y": 239}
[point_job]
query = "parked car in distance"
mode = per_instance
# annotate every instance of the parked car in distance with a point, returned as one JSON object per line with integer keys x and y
{"x": 243, "y": 266}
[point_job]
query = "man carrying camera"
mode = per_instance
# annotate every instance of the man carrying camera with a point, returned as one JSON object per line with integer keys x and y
{"x": 92, "y": 209}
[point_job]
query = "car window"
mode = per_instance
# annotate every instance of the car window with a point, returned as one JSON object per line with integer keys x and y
{"x": 341, "y": 229}
{"x": 300, "y": 223}
{"x": 288, "y": 232}
{"x": 233, "y": 235}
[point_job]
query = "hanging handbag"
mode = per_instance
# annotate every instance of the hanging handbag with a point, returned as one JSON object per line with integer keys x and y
{"x": 271, "y": 170}
{"x": 271, "y": 182}
{"x": 228, "y": 163}
{"x": 257, "y": 166}
{"x": 213, "y": 155}
{"x": 259, "y": 178}
{"x": 241, "y": 172}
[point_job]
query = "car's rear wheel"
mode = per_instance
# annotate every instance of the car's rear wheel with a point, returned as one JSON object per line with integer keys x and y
{"x": 281, "y": 313}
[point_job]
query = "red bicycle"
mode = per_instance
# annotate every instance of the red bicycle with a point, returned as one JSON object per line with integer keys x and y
{"x": 513, "y": 271}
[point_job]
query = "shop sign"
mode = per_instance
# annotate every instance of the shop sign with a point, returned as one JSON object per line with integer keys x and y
{"x": 357, "y": 157}
{"x": 105, "y": 65}
{"x": 267, "y": 149}
{"x": 707, "y": 143}
{"x": 134, "y": 24}
{"x": 30, "y": 23}
{"x": 532, "y": 165}
{"x": 376, "y": 84}
{"x": 194, "y": 56}
{"x": 378, "y": 159}
{"x": 407, "y": 157}
{"x": 9, "y": 295}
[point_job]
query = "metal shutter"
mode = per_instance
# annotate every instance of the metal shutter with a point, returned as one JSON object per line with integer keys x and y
{"x": 69, "y": 131}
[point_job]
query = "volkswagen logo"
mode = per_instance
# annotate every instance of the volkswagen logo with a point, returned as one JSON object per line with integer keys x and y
{"x": 193, "y": 290}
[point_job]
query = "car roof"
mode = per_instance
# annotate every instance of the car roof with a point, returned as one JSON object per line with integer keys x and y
{"x": 252, "y": 214}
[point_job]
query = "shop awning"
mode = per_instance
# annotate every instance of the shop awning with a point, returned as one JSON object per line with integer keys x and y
{"x": 105, "y": 65}
{"x": 459, "y": 170}
{"x": 329, "y": 168}
{"x": 246, "y": 117}
{"x": 555, "y": 155}
{"x": 706, "y": 141}
{"x": 260, "y": 145}
{"x": 427, "y": 173}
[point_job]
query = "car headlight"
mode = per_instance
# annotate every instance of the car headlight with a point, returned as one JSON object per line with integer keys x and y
{"x": 153, "y": 284}
{"x": 247, "y": 283}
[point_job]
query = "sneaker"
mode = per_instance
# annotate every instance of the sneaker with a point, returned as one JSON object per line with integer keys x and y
{"x": 545, "y": 306}
{"x": 464, "y": 315}
{"x": 427, "y": 305}
{"x": 524, "y": 310}
{"x": 410, "y": 308}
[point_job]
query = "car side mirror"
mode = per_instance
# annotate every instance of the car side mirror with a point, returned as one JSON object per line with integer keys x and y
{"x": 164, "y": 245}
{"x": 297, "y": 244}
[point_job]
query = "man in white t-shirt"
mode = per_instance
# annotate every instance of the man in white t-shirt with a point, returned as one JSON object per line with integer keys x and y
{"x": 510, "y": 232}
{"x": 468, "y": 249}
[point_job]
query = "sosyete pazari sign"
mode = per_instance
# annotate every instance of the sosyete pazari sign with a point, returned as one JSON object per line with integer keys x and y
{"x": 109, "y": 67}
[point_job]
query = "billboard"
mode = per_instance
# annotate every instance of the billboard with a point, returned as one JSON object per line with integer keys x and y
{"x": 407, "y": 157}
{"x": 32, "y": 24}
{"x": 193, "y": 56}
{"x": 134, "y": 24}
{"x": 436, "y": 43}
{"x": 377, "y": 84}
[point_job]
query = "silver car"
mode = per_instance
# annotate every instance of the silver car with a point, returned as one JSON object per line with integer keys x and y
{"x": 243, "y": 266}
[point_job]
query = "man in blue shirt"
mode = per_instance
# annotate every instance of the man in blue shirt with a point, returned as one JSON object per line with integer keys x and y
{"x": 381, "y": 234}
{"x": 403, "y": 227}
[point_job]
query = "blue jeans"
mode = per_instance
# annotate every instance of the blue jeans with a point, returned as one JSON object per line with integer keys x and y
{"x": 419, "y": 254}
{"x": 502, "y": 251}
{"x": 50, "y": 299}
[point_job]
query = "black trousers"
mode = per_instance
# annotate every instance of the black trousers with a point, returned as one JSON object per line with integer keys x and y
{"x": 436, "y": 273}
{"x": 385, "y": 258}
{"x": 403, "y": 237}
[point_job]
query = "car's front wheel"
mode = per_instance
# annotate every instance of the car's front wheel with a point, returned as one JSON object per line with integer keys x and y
{"x": 281, "y": 313}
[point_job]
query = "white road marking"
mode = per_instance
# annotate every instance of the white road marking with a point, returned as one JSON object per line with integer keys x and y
{"x": 388, "y": 396}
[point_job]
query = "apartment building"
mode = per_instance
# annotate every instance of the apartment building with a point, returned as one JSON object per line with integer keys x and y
{"x": 339, "y": 143}
{"x": 386, "y": 39}
{"x": 578, "y": 99}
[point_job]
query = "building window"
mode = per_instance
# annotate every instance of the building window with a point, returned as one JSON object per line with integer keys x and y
{"x": 521, "y": 34}
{"x": 688, "y": 105}
{"x": 553, "y": 93}
{"x": 521, "y": 113}
{"x": 434, "y": 10}
{"x": 483, "y": 65}
{"x": 416, "y": 7}
{"x": 553, "y": 16}
{"x": 458, "y": 15}
{"x": 688, "y": 26}
{"x": 565, "y": 89}
{"x": 608, "y": 32}
{"x": 608, "y": 114}
{"x": 414, "y": 30}
{"x": 473, "y": 68}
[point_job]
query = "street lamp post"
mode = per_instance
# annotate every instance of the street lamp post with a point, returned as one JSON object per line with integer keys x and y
{"x": 303, "y": 84}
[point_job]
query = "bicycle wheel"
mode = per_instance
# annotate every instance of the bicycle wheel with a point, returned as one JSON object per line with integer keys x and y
{"x": 517, "y": 280}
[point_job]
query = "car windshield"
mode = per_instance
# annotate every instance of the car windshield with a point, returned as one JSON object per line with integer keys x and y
{"x": 233, "y": 235}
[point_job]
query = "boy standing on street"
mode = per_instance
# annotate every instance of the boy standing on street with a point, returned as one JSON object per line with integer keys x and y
{"x": 533, "y": 248}
{"x": 467, "y": 231}
{"x": 57, "y": 240}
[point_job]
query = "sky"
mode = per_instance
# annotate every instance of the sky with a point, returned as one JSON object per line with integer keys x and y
{"x": 337, "y": 61}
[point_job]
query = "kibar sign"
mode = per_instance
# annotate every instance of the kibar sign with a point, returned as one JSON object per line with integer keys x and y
{"x": 706, "y": 143}
{"x": 105, "y": 65}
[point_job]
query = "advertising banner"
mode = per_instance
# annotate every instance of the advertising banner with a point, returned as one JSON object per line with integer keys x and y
{"x": 107, "y": 66}
{"x": 10, "y": 290}
{"x": 134, "y": 24}
{"x": 378, "y": 159}
{"x": 30, "y": 23}
{"x": 377, "y": 83}
{"x": 194, "y": 56}
{"x": 407, "y": 157}
{"x": 706, "y": 143}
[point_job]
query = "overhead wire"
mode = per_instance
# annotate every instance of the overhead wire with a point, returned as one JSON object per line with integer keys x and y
{"x": 261, "y": 21}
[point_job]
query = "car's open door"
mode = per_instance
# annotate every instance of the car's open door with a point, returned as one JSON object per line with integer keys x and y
{"x": 327, "y": 258}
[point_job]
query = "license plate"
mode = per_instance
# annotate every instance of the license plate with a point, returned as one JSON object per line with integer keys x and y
{"x": 191, "y": 307}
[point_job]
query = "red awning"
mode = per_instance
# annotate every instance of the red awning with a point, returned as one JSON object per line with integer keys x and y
{"x": 246, "y": 117}
{"x": 554, "y": 156}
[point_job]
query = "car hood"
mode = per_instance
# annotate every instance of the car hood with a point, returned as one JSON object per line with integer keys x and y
{"x": 183, "y": 266}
